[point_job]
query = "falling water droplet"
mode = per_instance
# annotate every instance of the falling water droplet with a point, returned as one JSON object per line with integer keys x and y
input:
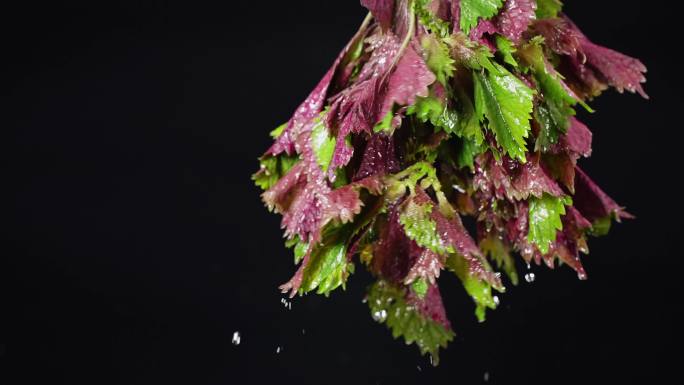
{"x": 236, "y": 338}
{"x": 486, "y": 376}
{"x": 419, "y": 368}
{"x": 286, "y": 303}
{"x": 380, "y": 315}
{"x": 529, "y": 277}
{"x": 496, "y": 300}
{"x": 278, "y": 349}
{"x": 303, "y": 331}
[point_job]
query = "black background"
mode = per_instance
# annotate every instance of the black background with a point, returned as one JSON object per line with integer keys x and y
{"x": 138, "y": 243}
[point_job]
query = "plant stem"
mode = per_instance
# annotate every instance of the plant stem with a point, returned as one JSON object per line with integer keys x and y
{"x": 409, "y": 33}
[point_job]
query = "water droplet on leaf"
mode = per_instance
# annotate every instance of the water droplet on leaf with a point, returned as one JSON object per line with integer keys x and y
{"x": 380, "y": 315}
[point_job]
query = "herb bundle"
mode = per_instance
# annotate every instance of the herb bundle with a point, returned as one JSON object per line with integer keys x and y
{"x": 437, "y": 110}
